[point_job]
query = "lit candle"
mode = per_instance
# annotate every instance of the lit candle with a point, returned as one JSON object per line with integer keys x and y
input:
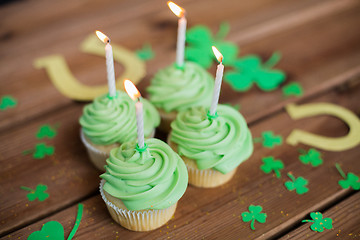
{"x": 109, "y": 63}
{"x": 135, "y": 95}
{"x": 180, "y": 46}
{"x": 218, "y": 80}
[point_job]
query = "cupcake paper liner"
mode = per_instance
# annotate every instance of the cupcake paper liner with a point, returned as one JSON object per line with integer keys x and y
{"x": 97, "y": 157}
{"x": 207, "y": 178}
{"x": 143, "y": 220}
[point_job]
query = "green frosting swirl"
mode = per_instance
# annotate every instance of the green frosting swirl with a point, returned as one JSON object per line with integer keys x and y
{"x": 179, "y": 89}
{"x": 221, "y": 143}
{"x": 106, "y": 121}
{"x": 154, "y": 179}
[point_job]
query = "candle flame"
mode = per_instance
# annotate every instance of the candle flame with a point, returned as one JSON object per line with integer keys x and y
{"x": 131, "y": 89}
{"x": 218, "y": 54}
{"x": 177, "y": 10}
{"x": 102, "y": 37}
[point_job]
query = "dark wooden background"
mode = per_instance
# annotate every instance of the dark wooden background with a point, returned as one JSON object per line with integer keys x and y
{"x": 319, "y": 41}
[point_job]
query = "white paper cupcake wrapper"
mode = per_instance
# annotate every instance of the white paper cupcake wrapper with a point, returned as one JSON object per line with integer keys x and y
{"x": 145, "y": 220}
{"x": 97, "y": 157}
{"x": 207, "y": 178}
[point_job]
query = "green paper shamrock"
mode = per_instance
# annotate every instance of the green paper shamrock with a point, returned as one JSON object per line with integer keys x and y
{"x": 254, "y": 214}
{"x": 293, "y": 89}
{"x": 146, "y": 53}
{"x": 269, "y": 140}
{"x": 299, "y": 184}
{"x": 319, "y": 223}
{"x": 351, "y": 180}
{"x": 46, "y": 131}
{"x": 249, "y": 70}
{"x": 38, "y": 193}
{"x": 312, "y": 156}
{"x": 200, "y": 41}
{"x": 272, "y": 165}
{"x": 53, "y": 230}
{"x": 6, "y": 102}
{"x": 41, "y": 150}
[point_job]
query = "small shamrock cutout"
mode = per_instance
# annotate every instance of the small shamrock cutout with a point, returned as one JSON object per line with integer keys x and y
{"x": 46, "y": 131}
{"x": 254, "y": 214}
{"x": 200, "y": 41}
{"x": 299, "y": 184}
{"x": 319, "y": 223}
{"x": 269, "y": 140}
{"x": 249, "y": 70}
{"x": 55, "y": 231}
{"x": 146, "y": 53}
{"x": 41, "y": 150}
{"x": 38, "y": 193}
{"x": 312, "y": 156}
{"x": 272, "y": 165}
{"x": 6, "y": 102}
{"x": 293, "y": 89}
{"x": 351, "y": 180}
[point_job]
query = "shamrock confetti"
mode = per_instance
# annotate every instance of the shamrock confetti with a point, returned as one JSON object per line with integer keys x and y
{"x": 55, "y": 231}
{"x": 269, "y": 140}
{"x": 299, "y": 184}
{"x": 146, "y": 53}
{"x": 46, "y": 131}
{"x": 40, "y": 151}
{"x": 319, "y": 223}
{"x": 6, "y": 102}
{"x": 293, "y": 89}
{"x": 200, "y": 40}
{"x": 254, "y": 214}
{"x": 312, "y": 156}
{"x": 272, "y": 165}
{"x": 351, "y": 180}
{"x": 249, "y": 70}
{"x": 38, "y": 193}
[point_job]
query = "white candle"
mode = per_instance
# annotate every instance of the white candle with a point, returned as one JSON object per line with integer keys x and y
{"x": 134, "y": 94}
{"x": 218, "y": 81}
{"x": 140, "y": 123}
{"x": 110, "y": 70}
{"x": 180, "y": 46}
{"x": 109, "y": 63}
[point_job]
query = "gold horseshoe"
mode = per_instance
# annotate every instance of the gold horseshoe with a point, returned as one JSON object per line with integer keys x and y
{"x": 68, "y": 85}
{"x": 326, "y": 143}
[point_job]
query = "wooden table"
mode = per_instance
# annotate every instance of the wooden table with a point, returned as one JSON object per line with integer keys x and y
{"x": 319, "y": 42}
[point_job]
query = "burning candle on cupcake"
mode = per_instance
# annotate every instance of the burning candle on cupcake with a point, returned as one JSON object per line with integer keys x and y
{"x": 109, "y": 63}
{"x": 181, "y": 85}
{"x": 218, "y": 81}
{"x": 180, "y": 45}
{"x": 213, "y": 141}
{"x": 134, "y": 94}
{"x": 142, "y": 185}
{"x": 110, "y": 119}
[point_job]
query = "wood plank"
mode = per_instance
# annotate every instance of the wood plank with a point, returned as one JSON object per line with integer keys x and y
{"x": 68, "y": 173}
{"x": 346, "y": 222}
{"x": 199, "y": 210}
{"x": 157, "y": 25}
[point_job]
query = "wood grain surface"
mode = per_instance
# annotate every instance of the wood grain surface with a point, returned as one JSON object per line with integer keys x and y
{"x": 319, "y": 43}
